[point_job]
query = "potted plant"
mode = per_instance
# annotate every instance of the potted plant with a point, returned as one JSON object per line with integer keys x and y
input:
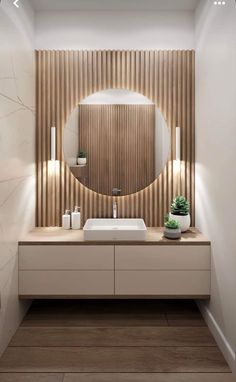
{"x": 82, "y": 158}
{"x": 172, "y": 229}
{"x": 180, "y": 212}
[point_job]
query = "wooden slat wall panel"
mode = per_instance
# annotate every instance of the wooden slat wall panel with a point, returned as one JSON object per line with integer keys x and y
{"x": 64, "y": 78}
{"x": 123, "y": 138}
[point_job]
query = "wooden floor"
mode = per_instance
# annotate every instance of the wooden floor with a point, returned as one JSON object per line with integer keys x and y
{"x": 120, "y": 341}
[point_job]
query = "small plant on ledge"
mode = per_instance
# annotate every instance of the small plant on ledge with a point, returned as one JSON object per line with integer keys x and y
{"x": 180, "y": 212}
{"x": 82, "y": 158}
{"x": 172, "y": 224}
{"x": 172, "y": 229}
{"x": 180, "y": 206}
{"x": 82, "y": 154}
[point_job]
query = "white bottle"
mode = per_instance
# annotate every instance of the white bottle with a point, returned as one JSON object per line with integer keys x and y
{"x": 66, "y": 220}
{"x": 76, "y": 220}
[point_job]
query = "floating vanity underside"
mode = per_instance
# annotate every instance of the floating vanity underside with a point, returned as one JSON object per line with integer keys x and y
{"x": 59, "y": 264}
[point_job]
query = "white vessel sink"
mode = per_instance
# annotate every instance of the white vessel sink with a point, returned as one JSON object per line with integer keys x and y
{"x": 115, "y": 229}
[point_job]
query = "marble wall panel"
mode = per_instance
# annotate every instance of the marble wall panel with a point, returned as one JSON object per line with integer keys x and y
{"x": 17, "y": 163}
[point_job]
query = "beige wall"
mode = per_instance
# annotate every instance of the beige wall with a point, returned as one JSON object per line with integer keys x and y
{"x": 216, "y": 159}
{"x": 128, "y": 30}
{"x": 17, "y": 155}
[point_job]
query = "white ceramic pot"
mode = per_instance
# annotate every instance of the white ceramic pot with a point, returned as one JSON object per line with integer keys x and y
{"x": 171, "y": 233}
{"x": 183, "y": 220}
{"x": 82, "y": 161}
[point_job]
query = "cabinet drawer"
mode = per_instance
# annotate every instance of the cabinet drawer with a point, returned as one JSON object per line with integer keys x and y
{"x": 66, "y": 257}
{"x": 66, "y": 283}
{"x": 166, "y": 257}
{"x": 162, "y": 283}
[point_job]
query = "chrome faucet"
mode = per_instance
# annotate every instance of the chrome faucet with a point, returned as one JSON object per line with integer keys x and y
{"x": 114, "y": 210}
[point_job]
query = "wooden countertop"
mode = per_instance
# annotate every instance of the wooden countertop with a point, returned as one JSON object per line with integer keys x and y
{"x": 58, "y": 236}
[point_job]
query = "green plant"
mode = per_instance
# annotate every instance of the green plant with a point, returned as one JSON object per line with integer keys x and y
{"x": 166, "y": 218}
{"x": 180, "y": 206}
{"x": 172, "y": 224}
{"x": 82, "y": 154}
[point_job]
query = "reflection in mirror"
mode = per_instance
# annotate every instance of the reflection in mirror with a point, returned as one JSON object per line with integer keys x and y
{"x": 116, "y": 142}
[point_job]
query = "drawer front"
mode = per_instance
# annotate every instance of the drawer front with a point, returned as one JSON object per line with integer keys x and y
{"x": 66, "y": 257}
{"x": 172, "y": 257}
{"x": 66, "y": 283}
{"x": 162, "y": 283}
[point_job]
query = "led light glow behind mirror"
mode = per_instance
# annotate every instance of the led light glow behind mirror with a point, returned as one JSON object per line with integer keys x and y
{"x": 125, "y": 137}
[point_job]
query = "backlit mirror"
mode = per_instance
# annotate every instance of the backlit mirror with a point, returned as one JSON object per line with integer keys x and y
{"x": 116, "y": 142}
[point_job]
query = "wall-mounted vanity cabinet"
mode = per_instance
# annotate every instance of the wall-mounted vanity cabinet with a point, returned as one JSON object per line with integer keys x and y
{"x": 56, "y": 263}
{"x": 66, "y": 270}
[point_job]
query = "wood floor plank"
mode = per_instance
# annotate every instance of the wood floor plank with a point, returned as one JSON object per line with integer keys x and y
{"x": 123, "y": 359}
{"x": 97, "y": 320}
{"x": 113, "y": 313}
{"x": 180, "y": 306}
{"x": 185, "y": 320}
{"x": 149, "y": 377}
{"x": 31, "y": 377}
{"x": 126, "y": 336}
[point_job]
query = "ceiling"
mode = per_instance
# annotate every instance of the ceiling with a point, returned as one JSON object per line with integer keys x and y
{"x": 116, "y": 5}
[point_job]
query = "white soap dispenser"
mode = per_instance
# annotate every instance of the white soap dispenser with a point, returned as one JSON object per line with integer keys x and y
{"x": 66, "y": 220}
{"x": 76, "y": 218}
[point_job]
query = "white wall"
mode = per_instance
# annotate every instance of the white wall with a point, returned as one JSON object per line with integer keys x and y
{"x": 115, "y": 30}
{"x": 17, "y": 155}
{"x": 216, "y": 160}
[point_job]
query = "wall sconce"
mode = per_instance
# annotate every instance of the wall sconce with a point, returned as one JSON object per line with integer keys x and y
{"x": 177, "y": 161}
{"x": 177, "y": 144}
{"x": 53, "y": 143}
{"x": 53, "y": 163}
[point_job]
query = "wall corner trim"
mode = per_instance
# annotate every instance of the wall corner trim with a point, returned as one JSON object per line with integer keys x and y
{"x": 219, "y": 336}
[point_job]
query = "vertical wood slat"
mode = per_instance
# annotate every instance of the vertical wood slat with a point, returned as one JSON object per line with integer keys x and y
{"x": 120, "y": 144}
{"x": 64, "y": 78}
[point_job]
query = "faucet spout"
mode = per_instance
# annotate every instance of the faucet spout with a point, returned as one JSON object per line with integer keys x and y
{"x": 114, "y": 210}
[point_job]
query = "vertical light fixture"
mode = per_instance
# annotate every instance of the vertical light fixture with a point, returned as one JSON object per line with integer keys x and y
{"x": 53, "y": 163}
{"x": 177, "y": 161}
{"x": 53, "y": 143}
{"x": 177, "y": 144}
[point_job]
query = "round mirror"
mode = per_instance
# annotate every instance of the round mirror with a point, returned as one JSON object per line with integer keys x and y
{"x": 116, "y": 142}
